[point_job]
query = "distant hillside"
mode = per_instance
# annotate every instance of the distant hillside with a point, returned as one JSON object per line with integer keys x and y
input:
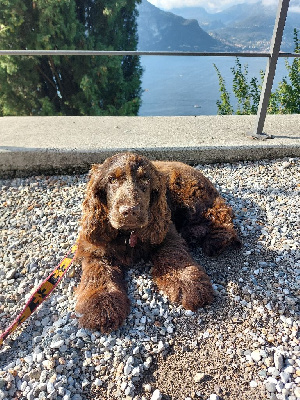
{"x": 213, "y": 21}
{"x": 248, "y": 26}
{"x": 164, "y": 31}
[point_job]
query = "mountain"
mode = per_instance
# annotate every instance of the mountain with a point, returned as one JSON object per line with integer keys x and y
{"x": 164, "y": 31}
{"x": 212, "y": 21}
{"x": 248, "y": 26}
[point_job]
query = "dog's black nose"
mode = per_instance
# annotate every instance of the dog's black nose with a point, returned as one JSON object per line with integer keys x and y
{"x": 129, "y": 211}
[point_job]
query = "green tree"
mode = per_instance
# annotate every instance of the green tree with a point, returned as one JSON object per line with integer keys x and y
{"x": 284, "y": 100}
{"x": 69, "y": 85}
{"x": 247, "y": 92}
{"x": 224, "y": 106}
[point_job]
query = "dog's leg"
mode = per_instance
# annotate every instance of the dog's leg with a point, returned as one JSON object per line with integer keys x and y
{"x": 101, "y": 296}
{"x": 221, "y": 233}
{"x": 178, "y": 275}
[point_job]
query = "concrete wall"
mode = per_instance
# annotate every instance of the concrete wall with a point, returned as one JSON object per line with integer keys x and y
{"x": 64, "y": 144}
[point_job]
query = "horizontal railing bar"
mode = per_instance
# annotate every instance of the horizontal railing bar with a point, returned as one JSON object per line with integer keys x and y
{"x": 136, "y": 53}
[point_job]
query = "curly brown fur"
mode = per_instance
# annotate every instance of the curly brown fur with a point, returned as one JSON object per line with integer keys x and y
{"x": 102, "y": 298}
{"x": 136, "y": 209}
{"x": 177, "y": 274}
{"x": 200, "y": 214}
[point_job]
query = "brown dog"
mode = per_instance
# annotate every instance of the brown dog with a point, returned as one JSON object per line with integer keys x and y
{"x": 136, "y": 209}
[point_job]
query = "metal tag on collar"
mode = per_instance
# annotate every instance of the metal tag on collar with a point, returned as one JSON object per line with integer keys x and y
{"x": 132, "y": 239}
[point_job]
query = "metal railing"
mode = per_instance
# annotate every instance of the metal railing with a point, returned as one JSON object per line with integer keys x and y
{"x": 272, "y": 56}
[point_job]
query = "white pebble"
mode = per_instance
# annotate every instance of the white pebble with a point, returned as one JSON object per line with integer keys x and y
{"x": 147, "y": 388}
{"x": 127, "y": 369}
{"x": 189, "y": 313}
{"x": 136, "y": 371}
{"x": 56, "y": 345}
{"x": 97, "y": 382}
{"x": 213, "y": 396}
{"x": 255, "y": 355}
{"x": 278, "y": 361}
{"x": 156, "y": 395}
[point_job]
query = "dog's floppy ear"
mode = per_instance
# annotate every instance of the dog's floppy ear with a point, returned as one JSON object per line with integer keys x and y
{"x": 94, "y": 223}
{"x": 160, "y": 214}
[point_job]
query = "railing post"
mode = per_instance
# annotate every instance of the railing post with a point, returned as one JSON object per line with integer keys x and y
{"x": 282, "y": 10}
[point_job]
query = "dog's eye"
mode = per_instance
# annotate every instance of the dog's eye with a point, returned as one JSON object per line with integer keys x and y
{"x": 144, "y": 178}
{"x": 112, "y": 180}
{"x": 144, "y": 183}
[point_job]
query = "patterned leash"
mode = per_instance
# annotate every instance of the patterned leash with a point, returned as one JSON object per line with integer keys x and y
{"x": 42, "y": 292}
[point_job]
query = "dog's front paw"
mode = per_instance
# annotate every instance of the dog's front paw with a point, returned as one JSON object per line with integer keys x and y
{"x": 215, "y": 245}
{"x": 104, "y": 311}
{"x": 190, "y": 287}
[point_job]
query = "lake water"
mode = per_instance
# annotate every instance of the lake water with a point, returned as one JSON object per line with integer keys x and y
{"x": 177, "y": 85}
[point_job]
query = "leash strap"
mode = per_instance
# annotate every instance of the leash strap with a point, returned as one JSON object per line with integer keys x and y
{"x": 42, "y": 292}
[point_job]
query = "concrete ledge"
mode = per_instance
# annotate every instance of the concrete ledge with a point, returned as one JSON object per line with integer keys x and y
{"x": 65, "y": 144}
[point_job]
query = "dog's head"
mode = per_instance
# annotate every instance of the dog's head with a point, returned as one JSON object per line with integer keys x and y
{"x": 125, "y": 193}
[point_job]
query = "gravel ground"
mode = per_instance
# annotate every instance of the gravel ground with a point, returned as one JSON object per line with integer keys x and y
{"x": 243, "y": 346}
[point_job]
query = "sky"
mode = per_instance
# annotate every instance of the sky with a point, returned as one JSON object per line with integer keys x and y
{"x": 215, "y": 5}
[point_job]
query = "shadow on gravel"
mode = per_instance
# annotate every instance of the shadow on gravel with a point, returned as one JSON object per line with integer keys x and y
{"x": 210, "y": 350}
